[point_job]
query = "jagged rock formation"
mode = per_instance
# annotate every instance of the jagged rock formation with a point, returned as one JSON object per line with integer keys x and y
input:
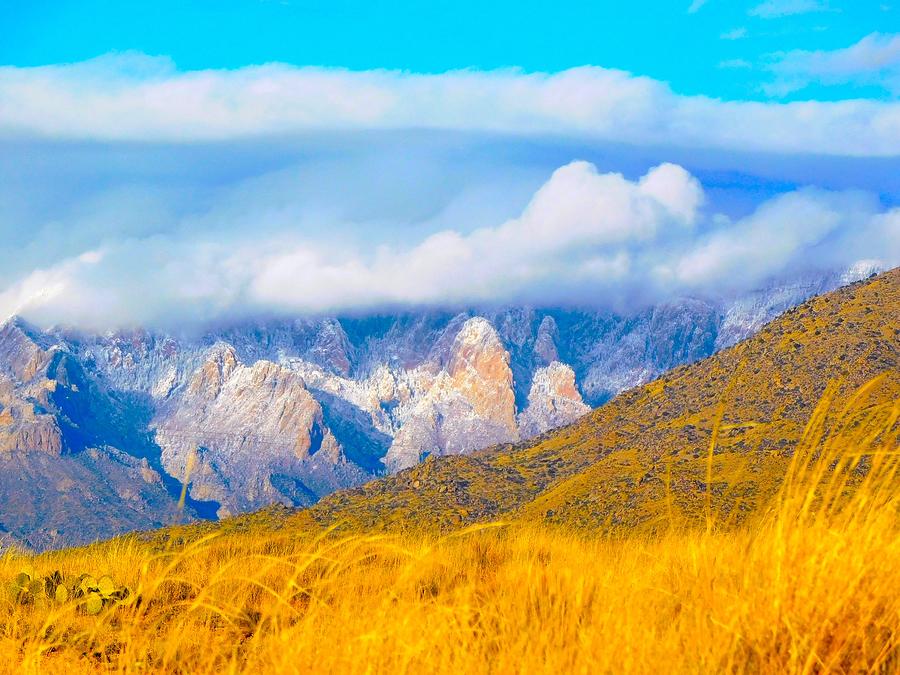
{"x": 253, "y": 434}
{"x": 25, "y": 393}
{"x": 63, "y": 477}
{"x": 553, "y": 401}
{"x": 469, "y": 405}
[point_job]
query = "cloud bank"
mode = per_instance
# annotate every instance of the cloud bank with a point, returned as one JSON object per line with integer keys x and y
{"x": 584, "y": 238}
{"x": 135, "y": 194}
{"x": 135, "y": 97}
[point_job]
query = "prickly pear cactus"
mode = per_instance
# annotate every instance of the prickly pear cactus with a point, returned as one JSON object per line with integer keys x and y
{"x": 25, "y": 588}
{"x": 91, "y": 594}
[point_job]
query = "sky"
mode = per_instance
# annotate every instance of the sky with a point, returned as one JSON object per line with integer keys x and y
{"x": 732, "y": 49}
{"x": 176, "y": 163}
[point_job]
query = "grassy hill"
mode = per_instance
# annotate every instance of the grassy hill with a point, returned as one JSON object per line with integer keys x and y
{"x": 644, "y": 458}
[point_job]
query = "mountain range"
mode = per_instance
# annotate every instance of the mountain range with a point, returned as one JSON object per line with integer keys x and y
{"x": 713, "y": 439}
{"x": 99, "y": 430}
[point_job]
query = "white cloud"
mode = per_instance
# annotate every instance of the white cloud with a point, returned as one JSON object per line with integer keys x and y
{"x": 773, "y": 9}
{"x": 585, "y": 238}
{"x": 734, "y": 34}
{"x": 794, "y": 228}
{"x": 735, "y": 63}
{"x": 575, "y": 216}
{"x": 146, "y": 99}
{"x": 695, "y": 6}
{"x": 875, "y": 59}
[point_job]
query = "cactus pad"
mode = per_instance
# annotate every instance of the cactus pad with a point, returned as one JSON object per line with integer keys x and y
{"x": 106, "y": 587}
{"x": 93, "y": 603}
{"x": 87, "y": 584}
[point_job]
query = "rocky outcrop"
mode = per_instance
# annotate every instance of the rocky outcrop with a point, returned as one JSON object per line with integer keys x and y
{"x": 24, "y": 350}
{"x": 238, "y": 433}
{"x": 479, "y": 371}
{"x": 206, "y": 383}
{"x": 331, "y": 347}
{"x": 468, "y": 405}
{"x": 545, "y": 349}
{"x": 26, "y": 419}
{"x": 553, "y": 401}
{"x": 24, "y": 431}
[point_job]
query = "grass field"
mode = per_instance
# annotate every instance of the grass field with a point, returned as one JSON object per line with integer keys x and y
{"x": 810, "y": 586}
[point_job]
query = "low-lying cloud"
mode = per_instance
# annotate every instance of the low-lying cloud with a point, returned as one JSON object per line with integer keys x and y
{"x": 136, "y": 97}
{"x": 584, "y": 238}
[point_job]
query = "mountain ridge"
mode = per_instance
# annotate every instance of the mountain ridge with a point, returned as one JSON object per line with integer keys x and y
{"x": 250, "y": 409}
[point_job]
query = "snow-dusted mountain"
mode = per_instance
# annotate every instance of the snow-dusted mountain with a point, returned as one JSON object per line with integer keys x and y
{"x": 98, "y": 431}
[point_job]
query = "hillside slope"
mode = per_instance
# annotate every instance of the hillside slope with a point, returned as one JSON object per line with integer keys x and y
{"x": 643, "y": 456}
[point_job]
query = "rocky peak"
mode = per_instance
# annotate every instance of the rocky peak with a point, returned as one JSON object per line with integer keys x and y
{"x": 220, "y": 363}
{"x": 332, "y": 348}
{"x": 466, "y": 406}
{"x": 23, "y": 349}
{"x": 26, "y": 420}
{"x": 439, "y": 353}
{"x": 476, "y": 347}
{"x": 545, "y": 350}
{"x": 553, "y": 401}
{"x": 258, "y": 433}
{"x": 479, "y": 370}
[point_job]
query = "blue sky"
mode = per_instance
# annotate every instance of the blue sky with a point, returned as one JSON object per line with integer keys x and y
{"x": 720, "y": 48}
{"x": 177, "y": 163}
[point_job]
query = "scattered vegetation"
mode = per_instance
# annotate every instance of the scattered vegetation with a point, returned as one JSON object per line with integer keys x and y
{"x": 89, "y": 594}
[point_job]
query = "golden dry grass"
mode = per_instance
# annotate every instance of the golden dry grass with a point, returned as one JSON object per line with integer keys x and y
{"x": 810, "y": 587}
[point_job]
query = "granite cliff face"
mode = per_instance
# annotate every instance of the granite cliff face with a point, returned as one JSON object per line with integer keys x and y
{"x": 553, "y": 401}
{"x": 26, "y": 422}
{"x": 252, "y": 435}
{"x": 287, "y": 411}
{"x": 468, "y": 405}
{"x": 76, "y": 463}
